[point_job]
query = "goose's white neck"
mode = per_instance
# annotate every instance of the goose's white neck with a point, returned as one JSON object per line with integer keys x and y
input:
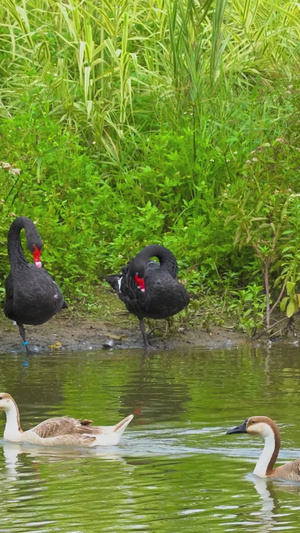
{"x": 269, "y": 454}
{"x": 12, "y": 429}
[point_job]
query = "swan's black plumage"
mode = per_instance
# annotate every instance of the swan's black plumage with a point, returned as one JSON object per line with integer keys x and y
{"x": 32, "y": 297}
{"x": 161, "y": 295}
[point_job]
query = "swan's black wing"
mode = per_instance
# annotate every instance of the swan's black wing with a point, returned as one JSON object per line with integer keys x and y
{"x": 32, "y": 297}
{"x": 8, "y": 304}
{"x": 164, "y": 295}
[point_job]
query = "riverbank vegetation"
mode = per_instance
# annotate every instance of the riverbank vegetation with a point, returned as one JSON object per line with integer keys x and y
{"x": 128, "y": 123}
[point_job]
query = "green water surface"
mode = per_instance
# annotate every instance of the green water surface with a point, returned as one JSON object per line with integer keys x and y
{"x": 175, "y": 469}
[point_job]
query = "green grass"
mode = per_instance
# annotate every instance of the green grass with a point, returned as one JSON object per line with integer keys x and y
{"x": 140, "y": 122}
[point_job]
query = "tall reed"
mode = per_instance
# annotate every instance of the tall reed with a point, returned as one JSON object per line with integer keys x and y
{"x": 101, "y": 63}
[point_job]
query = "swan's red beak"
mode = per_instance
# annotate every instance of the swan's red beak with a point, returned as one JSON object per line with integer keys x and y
{"x": 37, "y": 257}
{"x": 140, "y": 283}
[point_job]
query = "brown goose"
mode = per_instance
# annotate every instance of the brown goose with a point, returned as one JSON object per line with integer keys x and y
{"x": 32, "y": 297}
{"x": 59, "y": 431}
{"x": 266, "y": 428}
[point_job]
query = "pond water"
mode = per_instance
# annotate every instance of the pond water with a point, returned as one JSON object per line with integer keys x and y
{"x": 175, "y": 469}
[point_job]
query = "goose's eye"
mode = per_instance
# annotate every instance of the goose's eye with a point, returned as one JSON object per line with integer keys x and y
{"x": 252, "y": 422}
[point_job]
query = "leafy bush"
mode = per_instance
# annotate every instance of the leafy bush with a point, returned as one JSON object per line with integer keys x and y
{"x": 136, "y": 125}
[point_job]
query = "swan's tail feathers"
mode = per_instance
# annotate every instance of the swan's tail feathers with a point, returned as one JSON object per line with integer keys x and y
{"x": 65, "y": 305}
{"x": 121, "y": 426}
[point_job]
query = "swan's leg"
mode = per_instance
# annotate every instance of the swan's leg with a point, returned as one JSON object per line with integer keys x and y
{"x": 23, "y": 335}
{"x": 143, "y": 330}
{"x": 168, "y": 325}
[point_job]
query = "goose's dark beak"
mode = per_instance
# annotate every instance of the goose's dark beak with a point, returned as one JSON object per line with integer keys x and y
{"x": 238, "y": 429}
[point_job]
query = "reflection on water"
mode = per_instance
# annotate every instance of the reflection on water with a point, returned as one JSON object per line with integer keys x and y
{"x": 12, "y": 453}
{"x": 150, "y": 389}
{"x": 272, "y": 508}
{"x": 175, "y": 468}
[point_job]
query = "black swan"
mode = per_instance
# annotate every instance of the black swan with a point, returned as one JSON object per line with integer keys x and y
{"x": 32, "y": 297}
{"x": 150, "y": 289}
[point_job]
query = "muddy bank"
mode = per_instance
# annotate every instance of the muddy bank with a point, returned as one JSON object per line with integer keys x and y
{"x": 66, "y": 332}
{"x": 113, "y": 327}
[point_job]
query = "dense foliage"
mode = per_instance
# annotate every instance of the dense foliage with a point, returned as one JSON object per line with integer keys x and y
{"x": 166, "y": 121}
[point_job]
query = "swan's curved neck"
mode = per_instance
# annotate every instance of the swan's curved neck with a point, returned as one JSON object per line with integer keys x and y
{"x": 165, "y": 257}
{"x": 12, "y": 428}
{"x": 15, "y": 250}
{"x": 265, "y": 463}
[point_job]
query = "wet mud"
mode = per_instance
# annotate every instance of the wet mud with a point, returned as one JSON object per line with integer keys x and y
{"x": 66, "y": 332}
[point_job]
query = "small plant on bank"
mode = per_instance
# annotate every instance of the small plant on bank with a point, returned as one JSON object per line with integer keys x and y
{"x": 266, "y": 216}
